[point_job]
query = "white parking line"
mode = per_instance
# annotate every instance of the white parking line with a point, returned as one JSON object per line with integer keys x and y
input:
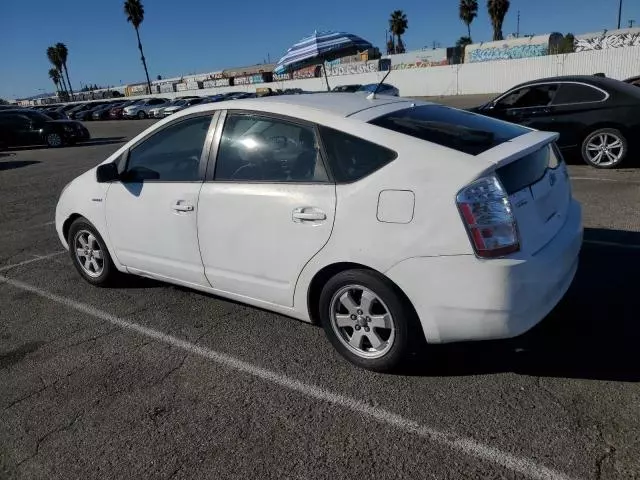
{"x": 468, "y": 446}
{"x": 26, "y": 262}
{"x": 604, "y": 180}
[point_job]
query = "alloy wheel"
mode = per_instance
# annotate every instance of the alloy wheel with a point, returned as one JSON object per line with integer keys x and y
{"x": 54, "y": 140}
{"x": 605, "y": 149}
{"x": 362, "y": 321}
{"x": 88, "y": 253}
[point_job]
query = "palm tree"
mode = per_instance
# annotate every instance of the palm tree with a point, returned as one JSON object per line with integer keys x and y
{"x": 468, "y": 12}
{"x": 54, "y": 75}
{"x": 134, "y": 10}
{"x": 398, "y": 25}
{"x": 54, "y": 58}
{"x": 497, "y": 11}
{"x": 63, "y": 53}
{"x": 463, "y": 42}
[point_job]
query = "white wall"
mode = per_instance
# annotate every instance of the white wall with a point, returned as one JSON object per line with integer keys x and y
{"x": 473, "y": 78}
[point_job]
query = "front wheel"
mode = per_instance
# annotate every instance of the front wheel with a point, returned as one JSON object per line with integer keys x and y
{"x": 604, "y": 148}
{"x": 53, "y": 140}
{"x": 141, "y": 115}
{"x": 368, "y": 320}
{"x": 89, "y": 254}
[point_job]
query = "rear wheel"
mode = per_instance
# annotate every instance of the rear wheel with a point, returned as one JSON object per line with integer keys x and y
{"x": 604, "y": 148}
{"x": 53, "y": 139}
{"x": 368, "y": 320}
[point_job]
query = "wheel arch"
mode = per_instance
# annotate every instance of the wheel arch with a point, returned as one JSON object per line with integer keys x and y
{"x": 66, "y": 225}
{"x": 325, "y": 273}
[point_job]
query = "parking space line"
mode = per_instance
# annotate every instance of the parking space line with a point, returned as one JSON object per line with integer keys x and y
{"x": 473, "y": 448}
{"x": 604, "y": 180}
{"x": 26, "y": 262}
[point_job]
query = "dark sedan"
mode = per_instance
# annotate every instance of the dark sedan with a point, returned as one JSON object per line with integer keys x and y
{"x": 597, "y": 117}
{"x": 29, "y": 127}
{"x": 86, "y": 113}
{"x": 102, "y": 113}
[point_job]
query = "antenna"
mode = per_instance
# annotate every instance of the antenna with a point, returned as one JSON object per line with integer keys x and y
{"x": 372, "y": 95}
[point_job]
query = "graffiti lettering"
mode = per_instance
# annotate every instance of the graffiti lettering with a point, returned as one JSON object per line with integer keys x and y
{"x": 607, "y": 41}
{"x": 307, "y": 72}
{"x": 353, "y": 68}
{"x": 507, "y": 53}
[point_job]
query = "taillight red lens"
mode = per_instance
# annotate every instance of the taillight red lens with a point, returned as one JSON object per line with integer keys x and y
{"x": 486, "y": 211}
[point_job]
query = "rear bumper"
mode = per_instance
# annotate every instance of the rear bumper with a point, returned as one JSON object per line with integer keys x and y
{"x": 463, "y": 298}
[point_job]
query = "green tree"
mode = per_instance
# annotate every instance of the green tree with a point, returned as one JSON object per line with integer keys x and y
{"x": 463, "y": 42}
{"x": 567, "y": 44}
{"x": 3, "y": 102}
{"x": 63, "y": 54}
{"x": 54, "y": 59}
{"x": 398, "y": 25}
{"x": 134, "y": 10}
{"x": 497, "y": 11}
{"x": 54, "y": 75}
{"x": 468, "y": 12}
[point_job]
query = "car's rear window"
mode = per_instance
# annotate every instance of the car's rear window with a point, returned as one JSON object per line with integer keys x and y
{"x": 457, "y": 129}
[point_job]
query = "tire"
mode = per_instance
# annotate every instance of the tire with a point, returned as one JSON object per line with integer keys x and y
{"x": 142, "y": 115}
{"x": 605, "y": 148}
{"x": 54, "y": 140}
{"x": 101, "y": 277}
{"x": 393, "y": 344}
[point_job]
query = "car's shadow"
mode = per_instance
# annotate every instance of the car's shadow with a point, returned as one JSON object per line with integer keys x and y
{"x": 101, "y": 141}
{"x": 10, "y": 165}
{"x": 593, "y": 333}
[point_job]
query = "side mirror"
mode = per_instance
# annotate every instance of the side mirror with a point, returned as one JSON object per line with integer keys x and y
{"x": 107, "y": 172}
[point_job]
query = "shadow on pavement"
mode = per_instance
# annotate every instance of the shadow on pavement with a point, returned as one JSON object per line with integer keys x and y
{"x": 593, "y": 333}
{"x": 10, "y": 165}
{"x": 6, "y": 154}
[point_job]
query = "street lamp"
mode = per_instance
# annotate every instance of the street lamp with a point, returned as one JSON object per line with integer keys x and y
{"x": 619, "y": 13}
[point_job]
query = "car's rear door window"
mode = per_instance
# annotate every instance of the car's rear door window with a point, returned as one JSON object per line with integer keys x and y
{"x": 530, "y": 96}
{"x": 352, "y": 158}
{"x": 577, "y": 93}
{"x": 457, "y": 129}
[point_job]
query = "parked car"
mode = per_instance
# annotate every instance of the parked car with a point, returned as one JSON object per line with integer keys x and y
{"x": 102, "y": 113}
{"x": 347, "y": 88}
{"x": 157, "y": 112}
{"x": 476, "y": 232}
{"x": 116, "y": 112}
{"x": 184, "y": 104}
{"x": 597, "y": 117}
{"x": 384, "y": 89}
{"x": 22, "y": 127}
{"x": 87, "y": 114}
{"x": 56, "y": 115}
{"x": 141, "y": 109}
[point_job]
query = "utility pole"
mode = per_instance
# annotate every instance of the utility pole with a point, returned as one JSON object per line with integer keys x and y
{"x": 518, "y": 27}
{"x": 631, "y": 22}
{"x": 619, "y": 13}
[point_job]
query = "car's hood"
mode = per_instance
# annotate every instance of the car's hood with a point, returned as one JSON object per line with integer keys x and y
{"x": 174, "y": 108}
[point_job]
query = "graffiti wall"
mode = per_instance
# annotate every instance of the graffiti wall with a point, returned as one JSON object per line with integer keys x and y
{"x": 614, "y": 39}
{"x": 524, "y": 47}
{"x": 352, "y": 68}
{"x": 419, "y": 59}
{"x": 279, "y": 77}
{"x": 308, "y": 72}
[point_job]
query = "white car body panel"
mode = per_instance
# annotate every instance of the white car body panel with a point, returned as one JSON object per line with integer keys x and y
{"x": 252, "y": 251}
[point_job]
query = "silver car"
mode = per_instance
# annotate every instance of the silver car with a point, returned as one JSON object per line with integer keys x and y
{"x": 141, "y": 109}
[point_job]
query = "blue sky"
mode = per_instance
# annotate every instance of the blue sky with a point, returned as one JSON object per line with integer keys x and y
{"x": 181, "y": 37}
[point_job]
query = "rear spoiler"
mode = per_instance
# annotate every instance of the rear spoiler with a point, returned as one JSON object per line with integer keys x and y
{"x": 517, "y": 147}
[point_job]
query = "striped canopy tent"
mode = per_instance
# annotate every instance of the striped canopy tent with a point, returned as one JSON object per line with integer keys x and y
{"x": 319, "y": 47}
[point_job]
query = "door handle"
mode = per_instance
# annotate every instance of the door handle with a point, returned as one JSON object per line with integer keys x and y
{"x": 308, "y": 214}
{"x": 180, "y": 206}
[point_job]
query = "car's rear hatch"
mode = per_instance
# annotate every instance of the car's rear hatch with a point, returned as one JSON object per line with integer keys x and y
{"x": 531, "y": 169}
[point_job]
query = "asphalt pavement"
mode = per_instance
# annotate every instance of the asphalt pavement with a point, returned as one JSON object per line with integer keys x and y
{"x": 149, "y": 380}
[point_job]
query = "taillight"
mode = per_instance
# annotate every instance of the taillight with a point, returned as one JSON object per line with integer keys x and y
{"x": 486, "y": 211}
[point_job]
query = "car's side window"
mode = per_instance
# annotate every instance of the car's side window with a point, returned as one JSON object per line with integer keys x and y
{"x": 352, "y": 158}
{"x": 529, "y": 96}
{"x": 577, "y": 93}
{"x": 267, "y": 149}
{"x": 170, "y": 155}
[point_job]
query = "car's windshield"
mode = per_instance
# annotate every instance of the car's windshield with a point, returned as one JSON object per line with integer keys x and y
{"x": 456, "y": 129}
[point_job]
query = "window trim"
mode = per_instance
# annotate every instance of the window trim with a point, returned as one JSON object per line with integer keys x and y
{"x": 551, "y": 104}
{"x": 123, "y": 160}
{"x": 217, "y": 139}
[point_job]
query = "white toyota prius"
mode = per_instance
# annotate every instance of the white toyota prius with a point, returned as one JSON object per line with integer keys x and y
{"x": 388, "y": 221}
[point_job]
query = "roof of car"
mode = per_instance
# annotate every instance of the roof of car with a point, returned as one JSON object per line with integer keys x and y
{"x": 591, "y": 79}
{"x": 342, "y": 104}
